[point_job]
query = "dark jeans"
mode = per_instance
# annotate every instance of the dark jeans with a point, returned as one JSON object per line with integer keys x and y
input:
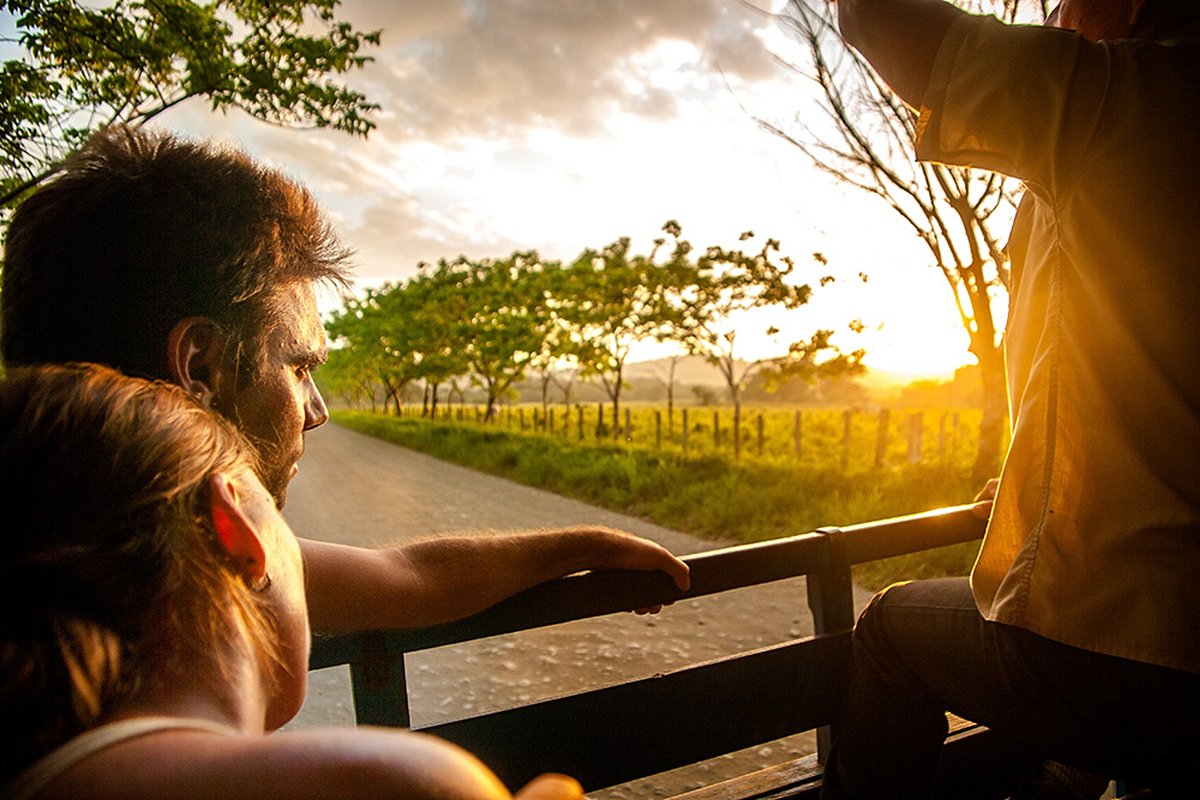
{"x": 921, "y": 649}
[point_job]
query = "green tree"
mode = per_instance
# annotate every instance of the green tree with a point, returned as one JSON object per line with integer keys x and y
{"x": 725, "y": 284}
{"x": 431, "y": 311}
{"x": 345, "y": 377}
{"x": 866, "y": 139}
{"x": 495, "y": 316}
{"x": 612, "y": 299}
{"x": 86, "y": 65}
{"x": 556, "y": 364}
{"x": 373, "y": 342}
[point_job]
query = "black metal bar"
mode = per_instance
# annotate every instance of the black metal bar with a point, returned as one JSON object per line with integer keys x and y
{"x": 377, "y": 658}
{"x": 597, "y": 593}
{"x": 910, "y": 534}
{"x": 642, "y": 727}
{"x": 831, "y": 600}
{"x": 379, "y": 682}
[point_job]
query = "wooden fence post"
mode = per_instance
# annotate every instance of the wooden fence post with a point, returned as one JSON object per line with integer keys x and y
{"x": 760, "y": 434}
{"x": 579, "y": 409}
{"x": 599, "y": 420}
{"x": 521, "y": 415}
{"x": 628, "y": 426}
{"x": 915, "y": 424}
{"x": 717, "y": 430}
{"x": 657, "y": 430}
{"x": 685, "y": 430}
{"x": 881, "y": 441}
{"x": 942, "y": 438}
{"x": 798, "y": 433}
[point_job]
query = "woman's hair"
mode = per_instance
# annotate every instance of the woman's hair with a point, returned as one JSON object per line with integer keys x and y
{"x": 109, "y": 565}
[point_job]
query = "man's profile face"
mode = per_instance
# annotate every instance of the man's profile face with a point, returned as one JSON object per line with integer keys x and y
{"x": 281, "y": 401}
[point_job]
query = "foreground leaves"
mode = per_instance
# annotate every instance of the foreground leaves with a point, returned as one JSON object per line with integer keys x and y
{"x": 83, "y": 67}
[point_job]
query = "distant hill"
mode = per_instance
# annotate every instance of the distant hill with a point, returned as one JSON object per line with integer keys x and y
{"x": 696, "y": 380}
{"x": 689, "y": 371}
{"x": 881, "y": 380}
{"x": 695, "y": 371}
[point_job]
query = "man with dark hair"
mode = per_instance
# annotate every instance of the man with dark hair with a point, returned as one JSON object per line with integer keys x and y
{"x": 182, "y": 261}
{"x": 1076, "y": 635}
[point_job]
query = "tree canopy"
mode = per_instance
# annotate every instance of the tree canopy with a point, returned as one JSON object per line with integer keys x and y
{"x": 83, "y": 66}
{"x": 728, "y": 283}
{"x": 493, "y": 320}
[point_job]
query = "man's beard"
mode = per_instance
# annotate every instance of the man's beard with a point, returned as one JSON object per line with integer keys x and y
{"x": 275, "y": 471}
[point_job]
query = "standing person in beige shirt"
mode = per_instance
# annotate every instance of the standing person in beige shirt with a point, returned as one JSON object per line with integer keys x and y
{"x": 1076, "y": 633}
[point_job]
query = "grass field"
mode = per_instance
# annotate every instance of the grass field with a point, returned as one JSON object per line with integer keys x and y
{"x": 705, "y": 491}
{"x": 854, "y": 439}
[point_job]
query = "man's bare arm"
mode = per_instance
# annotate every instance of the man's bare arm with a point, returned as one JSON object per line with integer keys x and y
{"x": 899, "y": 37}
{"x": 448, "y": 578}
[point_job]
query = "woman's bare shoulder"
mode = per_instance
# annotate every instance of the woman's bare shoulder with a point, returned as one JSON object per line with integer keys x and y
{"x": 309, "y": 763}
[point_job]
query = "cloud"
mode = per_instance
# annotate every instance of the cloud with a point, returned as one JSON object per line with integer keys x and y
{"x": 476, "y": 68}
{"x": 394, "y": 235}
{"x": 515, "y": 124}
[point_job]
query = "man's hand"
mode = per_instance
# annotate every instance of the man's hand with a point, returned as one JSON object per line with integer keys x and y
{"x": 634, "y": 552}
{"x": 627, "y": 551}
{"x": 985, "y": 498}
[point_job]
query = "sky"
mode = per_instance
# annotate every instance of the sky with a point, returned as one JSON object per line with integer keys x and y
{"x": 555, "y": 126}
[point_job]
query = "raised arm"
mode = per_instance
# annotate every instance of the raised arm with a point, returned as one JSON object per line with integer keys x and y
{"x": 444, "y": 579}
{"x": 899, "y": 37}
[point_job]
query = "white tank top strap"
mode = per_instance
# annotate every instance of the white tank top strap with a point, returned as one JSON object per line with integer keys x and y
{"x": 58, "y": 761}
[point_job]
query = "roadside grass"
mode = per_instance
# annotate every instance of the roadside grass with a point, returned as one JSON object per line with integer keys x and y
{"x": 709, "y": 495}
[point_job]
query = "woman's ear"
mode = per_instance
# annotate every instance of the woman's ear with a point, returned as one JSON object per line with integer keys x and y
{"x": 195, "y": 349}
{"x": 237, "y": 535}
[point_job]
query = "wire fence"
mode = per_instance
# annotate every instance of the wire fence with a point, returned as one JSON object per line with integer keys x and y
{"x": 855, "y": 438}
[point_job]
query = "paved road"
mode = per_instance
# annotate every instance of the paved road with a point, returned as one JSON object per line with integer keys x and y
{"x": 360, "y": 490}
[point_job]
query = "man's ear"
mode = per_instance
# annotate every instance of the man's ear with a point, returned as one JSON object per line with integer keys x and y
{"x": 237, "y": 536}
{"x": 195, "y": 349}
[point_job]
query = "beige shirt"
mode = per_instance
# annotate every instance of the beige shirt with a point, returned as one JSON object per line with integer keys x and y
{"x": 1094, "y": 539}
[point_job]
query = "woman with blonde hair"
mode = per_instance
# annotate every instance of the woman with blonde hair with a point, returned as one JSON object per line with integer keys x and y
{"x": 154, "y": 627}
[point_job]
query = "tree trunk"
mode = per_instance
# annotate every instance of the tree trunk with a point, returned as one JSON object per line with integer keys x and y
{"x": 616, "y": 417}
{"x": 737, "y": 428}
{"x": 994, "y": 424}
{"x": 616, "y": 401}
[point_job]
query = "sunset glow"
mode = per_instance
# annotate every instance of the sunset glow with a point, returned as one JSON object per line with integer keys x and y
{"x": 547, "y": 126}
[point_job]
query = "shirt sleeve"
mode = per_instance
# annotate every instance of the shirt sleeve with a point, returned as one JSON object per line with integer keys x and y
{"x": 1018, "y": 99}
